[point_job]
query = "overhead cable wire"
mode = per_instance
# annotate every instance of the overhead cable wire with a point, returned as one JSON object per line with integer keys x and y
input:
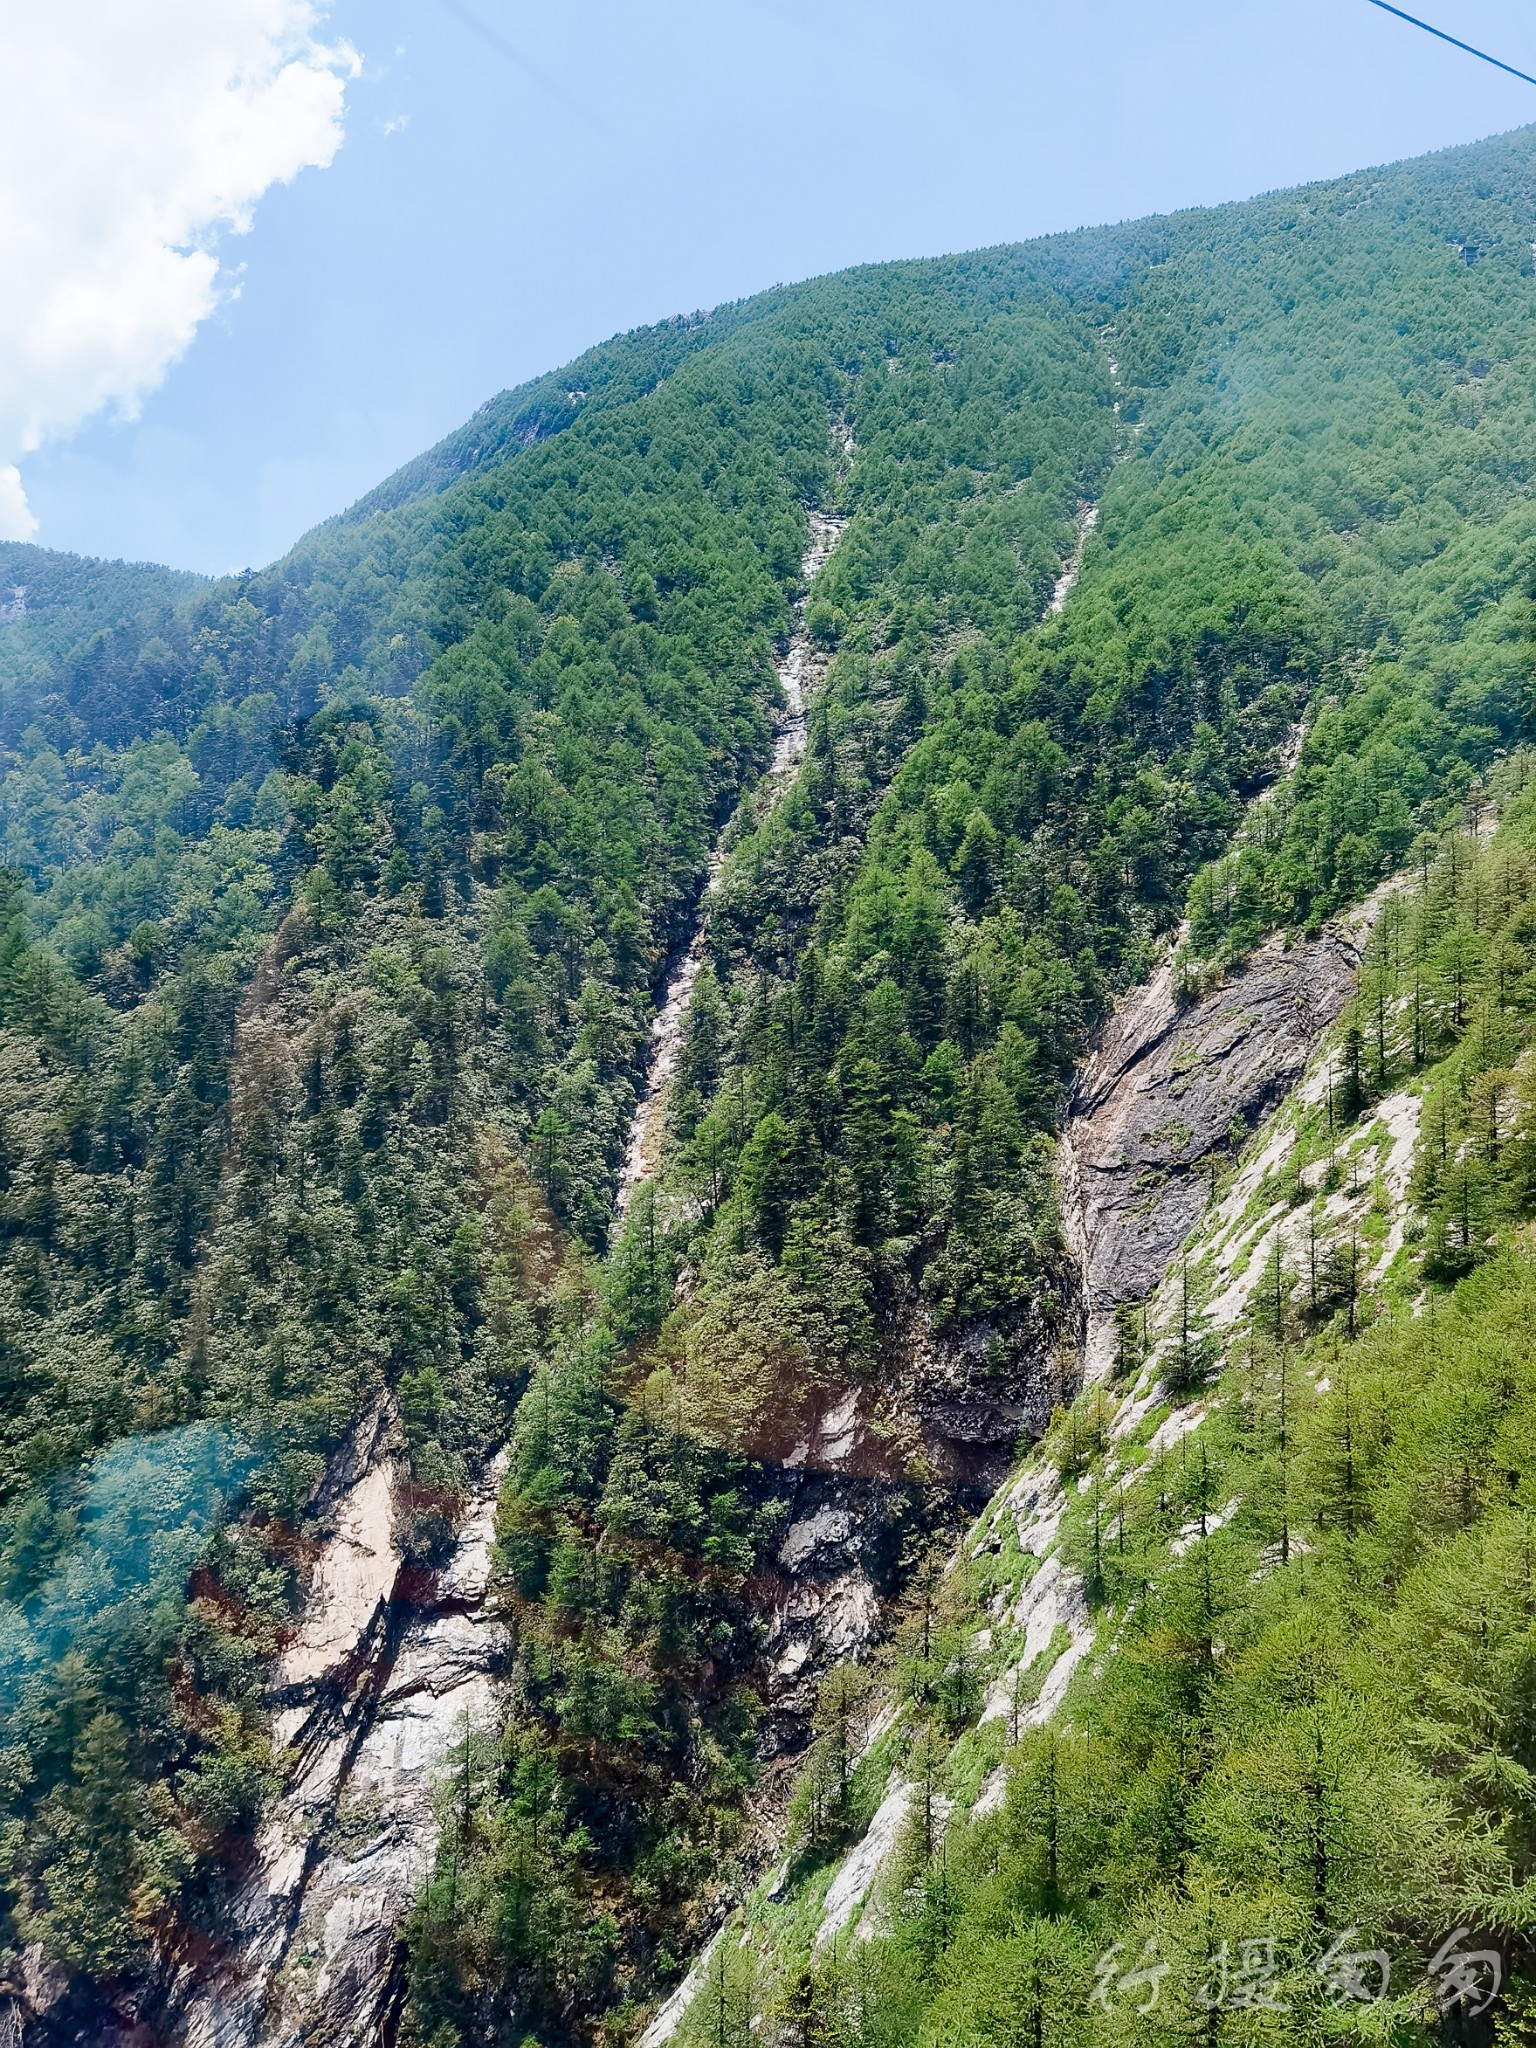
{"x": 552, "y": 87}
{"x": 1470, "y": 48}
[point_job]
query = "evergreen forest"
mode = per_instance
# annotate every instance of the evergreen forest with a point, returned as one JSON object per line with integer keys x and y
{"x": 1183, "y": 597}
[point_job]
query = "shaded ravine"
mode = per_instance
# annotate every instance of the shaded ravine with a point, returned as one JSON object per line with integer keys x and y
{"x": 391, "y": 1666}
{"x": 800, "y": 672}
{"x": 1086, "y": 518}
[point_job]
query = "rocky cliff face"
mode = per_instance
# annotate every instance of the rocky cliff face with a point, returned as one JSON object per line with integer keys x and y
{"x": 1171, "y": 1092}
{"x": 389, "y": 1669}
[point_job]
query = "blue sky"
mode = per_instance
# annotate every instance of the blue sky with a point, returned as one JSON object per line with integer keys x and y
{"x": 517, "y": 182}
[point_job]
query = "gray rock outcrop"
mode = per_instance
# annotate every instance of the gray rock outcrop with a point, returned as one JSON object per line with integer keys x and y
{"x": 388, "y": 1671}
{"x": 1169, "y": 1093}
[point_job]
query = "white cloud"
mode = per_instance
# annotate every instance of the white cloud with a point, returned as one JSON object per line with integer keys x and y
{"x": 130, "y": 136}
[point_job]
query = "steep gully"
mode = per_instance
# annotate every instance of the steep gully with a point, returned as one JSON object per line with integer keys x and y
{"x": 800, "y": 673}
{"x": 836, "y": 1608}
{"x": 384, "y": 1676}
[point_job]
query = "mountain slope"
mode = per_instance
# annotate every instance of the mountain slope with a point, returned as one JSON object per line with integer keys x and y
{"x": 344, "y": 892}
{"x": 1226, "y": 1694}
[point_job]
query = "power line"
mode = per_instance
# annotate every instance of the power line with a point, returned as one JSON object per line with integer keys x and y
{"x": 552, "y": 87}
{"x": 1430, "y": 30}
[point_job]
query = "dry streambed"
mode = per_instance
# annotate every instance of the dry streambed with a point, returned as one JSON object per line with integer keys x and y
{"x": 800, "y": 673}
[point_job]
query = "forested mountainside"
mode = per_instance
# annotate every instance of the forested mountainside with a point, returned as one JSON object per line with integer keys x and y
{"x": 1218, "y": 1727}
{"x": 339, "y": 897}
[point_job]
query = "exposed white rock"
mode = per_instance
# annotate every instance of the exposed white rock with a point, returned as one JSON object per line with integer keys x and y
{"x": 385, "y": 1693}
{"x": 860, "y": 1867}
{"x": 993, "y": 1795}
{"x": 440, "y": 1689}
{"x": 1179, "y": 1424}
{"x": 819, "y": 1624}
{"x": 672, "y": 2014}
{"x": 838, "y": 1430}
{"x": 828, "y": 1526}
{"x": 1400, "y": 1115}
{"x": 1053, "y": 1599}
{"x": 1197, "y": 1531}
{"x": 1241, "y": 1247}
{"x": 353, "y": 1579}
{"x": 855, "y": 1879}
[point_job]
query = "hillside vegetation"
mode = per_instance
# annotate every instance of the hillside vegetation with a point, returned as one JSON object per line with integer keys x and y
{"x": 1290, "y": 1789}
{"x": 993, "y": 829}
{"x": 339, "y": 895}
